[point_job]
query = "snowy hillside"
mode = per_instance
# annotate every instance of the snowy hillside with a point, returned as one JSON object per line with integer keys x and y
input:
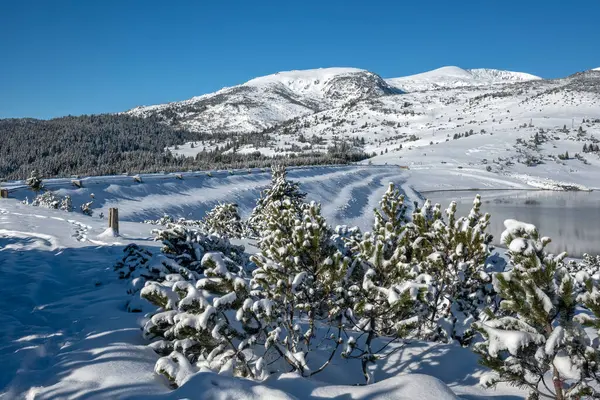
{"x": 503, "y": 125}
{"x": 269, "y": 100}
{"x": 502, "y": 132}
{"x": 453, "y": 77}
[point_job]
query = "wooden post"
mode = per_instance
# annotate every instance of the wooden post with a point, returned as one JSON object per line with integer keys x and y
{"x": 113, "y": 219}
{"x": 4, "y": 193}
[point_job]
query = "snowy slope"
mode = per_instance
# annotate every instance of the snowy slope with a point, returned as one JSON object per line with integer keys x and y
{"x": 497, "y": 125}
{"x": 452, "y": 77}
{"x": 313, "y": 110}
{"x": 348, "y": 193}
{"x": 265, "y": 101}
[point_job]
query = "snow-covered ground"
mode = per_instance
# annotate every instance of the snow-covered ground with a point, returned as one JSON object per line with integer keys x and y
{"x": 66, "y": 333}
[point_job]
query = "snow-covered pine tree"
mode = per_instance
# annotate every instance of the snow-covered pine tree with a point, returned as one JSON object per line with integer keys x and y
{"x": 299, "y": 282}
{"x": 135, "y": 263}
{"x": 47, "y": 199}
{"x": 345, "y": 237}
{"x": 187, "y": 245}
{"x": 164, "y": 220}
{"x": 197, "y": 282}
{"x": 224, "y": 220}
{"x": 196, "y": 322}
{"x": 449, "y": 257}
{"x": 533, "y": 341}
{"x": 66, "y": 204}
{"x": 585, "y": 270}
{"x": 182, "y": 253}
{"x": 280, "y": 189}
{"x": 35, "y": 181}
{"x": 86, "y": 208}
{"x": 384, "y": 300}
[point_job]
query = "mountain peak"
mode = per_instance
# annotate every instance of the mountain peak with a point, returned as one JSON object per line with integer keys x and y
{"x": 321, "y": 83}
{"x": 268, "y": 100}
{"x": 452, "y": 77}
{"x": 303, "y": 75}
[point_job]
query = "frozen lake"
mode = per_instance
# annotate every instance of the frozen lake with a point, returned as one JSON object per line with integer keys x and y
{"x": 570, "y": 219}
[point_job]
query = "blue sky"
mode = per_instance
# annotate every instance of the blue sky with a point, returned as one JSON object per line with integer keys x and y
{"x": 80, "y": 57}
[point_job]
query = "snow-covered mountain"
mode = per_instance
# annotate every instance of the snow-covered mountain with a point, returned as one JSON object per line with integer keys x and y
{"x": 273, "y": 99}
{"x": 269, "y": 100}
{"x": 494, "y": 114}
{"x": 452, "y": 77}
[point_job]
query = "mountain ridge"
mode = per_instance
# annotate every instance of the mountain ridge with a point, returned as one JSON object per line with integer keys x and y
{"x": 452, "y": 77}
{"x": 320, "y": 73}
{"x": 270, "y": 100}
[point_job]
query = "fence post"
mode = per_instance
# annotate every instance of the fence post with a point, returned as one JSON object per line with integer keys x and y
{"x": 4, "y": 193}
{"x": 113, "y": 219}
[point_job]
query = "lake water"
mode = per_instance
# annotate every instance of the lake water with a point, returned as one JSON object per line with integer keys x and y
{"x": 570, "y": 219}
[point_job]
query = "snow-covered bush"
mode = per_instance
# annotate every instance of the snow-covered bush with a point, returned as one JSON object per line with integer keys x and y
{"x": 86, "y": 208}
{"x": 182, "y": 253}
{"x": 299, "y": 284}
{"x": 584, "y": 270}
{"x": 449, "y": 256}
{"x": 187, "y": 245}
{"x": 280, "y": 189}
{"x": 434, "y": 267}
{"x": 384, "y": 300}
{"x": 197, "y": 282}
{"x": 344, "y": 237}
{"x": 51, "y": 200}
{"x": 224, "y": 219}
{"x": 164, "y": 220}
{"x": 534, "y": 338}
{"x": 197, "y": 319}
{"x": 168, "y": 219}
{"x": 426, "y": 278}
{"x": 139, "y": 265}
{"x": 35, "y": 181}
{"x": 66, "y": 204}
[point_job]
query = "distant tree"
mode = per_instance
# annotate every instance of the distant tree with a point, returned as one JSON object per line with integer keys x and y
{"x": 224, "y": 220}
{"x": 35, "y": 181}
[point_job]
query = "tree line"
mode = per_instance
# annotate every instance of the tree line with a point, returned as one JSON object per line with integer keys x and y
{"x": 118, "y": 143}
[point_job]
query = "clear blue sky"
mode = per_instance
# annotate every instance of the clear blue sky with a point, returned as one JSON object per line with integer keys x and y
{"x": 61, "y": 57}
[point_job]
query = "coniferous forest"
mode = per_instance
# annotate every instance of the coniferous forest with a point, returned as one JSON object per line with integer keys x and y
{"x": 108, "y": 144}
